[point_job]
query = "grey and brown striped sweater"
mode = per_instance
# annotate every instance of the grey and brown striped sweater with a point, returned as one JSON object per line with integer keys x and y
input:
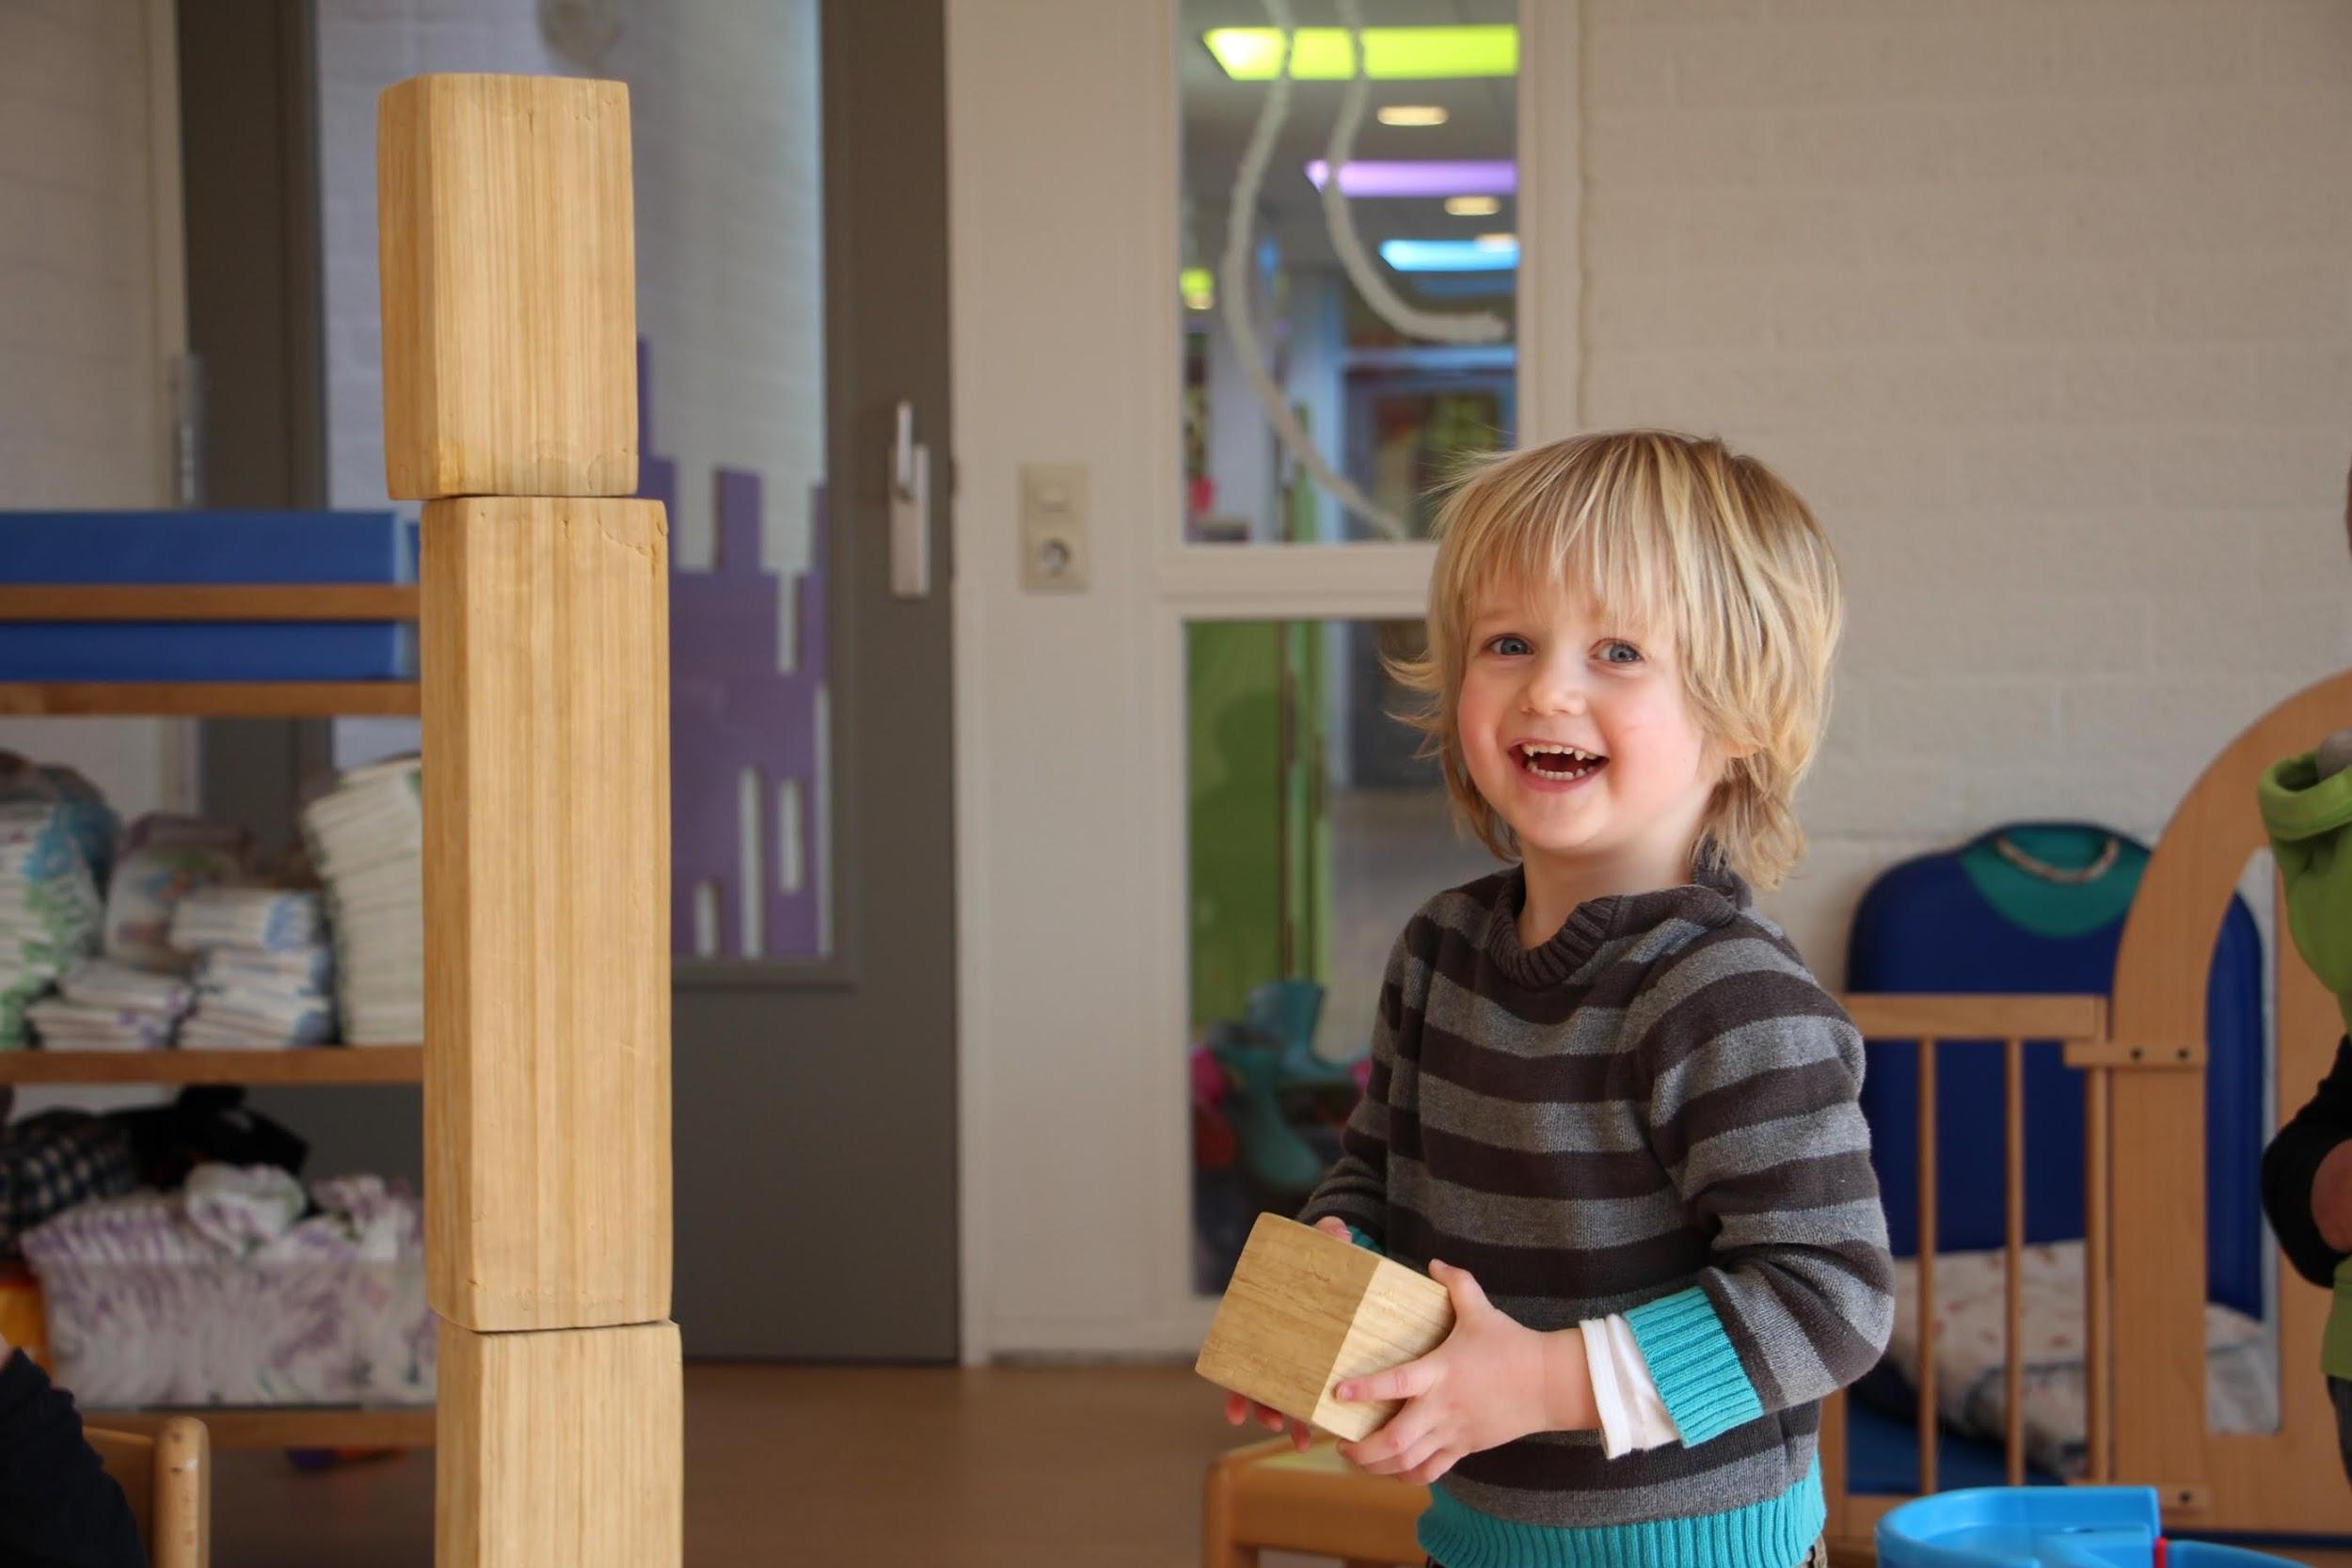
{"x": 1652, "y": 1113}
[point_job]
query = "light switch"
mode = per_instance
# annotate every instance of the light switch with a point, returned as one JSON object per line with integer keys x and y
{"x": 1053, "y": 528}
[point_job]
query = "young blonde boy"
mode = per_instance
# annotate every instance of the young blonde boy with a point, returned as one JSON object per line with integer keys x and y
{"x": 1610, "y": 1109}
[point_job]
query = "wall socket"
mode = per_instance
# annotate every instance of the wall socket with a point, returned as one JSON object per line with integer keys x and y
{"x": 1053, "y": 527}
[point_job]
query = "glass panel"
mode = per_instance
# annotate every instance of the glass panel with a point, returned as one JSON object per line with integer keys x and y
{"x": 1315, "y": 832}
{"x": 730, "y": 246}
{"x": 1385, "y": 375}
{"x": 724, "y": 120}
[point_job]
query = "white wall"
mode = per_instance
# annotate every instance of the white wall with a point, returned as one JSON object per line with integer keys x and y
{"x": 2042, "y": 303}
{"x": 1066, "y": 350}
{"x": 2045, "y": 307}
{"x": 89, "y": 256}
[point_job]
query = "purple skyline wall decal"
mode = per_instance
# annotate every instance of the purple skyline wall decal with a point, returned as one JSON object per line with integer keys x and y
{"x": 735, "y": 710}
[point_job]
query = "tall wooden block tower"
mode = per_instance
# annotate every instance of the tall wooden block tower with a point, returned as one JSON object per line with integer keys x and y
{"x": 510, "y": 409}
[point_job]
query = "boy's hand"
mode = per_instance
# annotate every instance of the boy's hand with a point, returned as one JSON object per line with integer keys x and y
{"x": 1239, "y": 1410}
{"x": 1483, "y": 1387}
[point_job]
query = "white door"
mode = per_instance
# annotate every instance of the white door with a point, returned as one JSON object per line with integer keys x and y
{"x": 1183, "y": 817}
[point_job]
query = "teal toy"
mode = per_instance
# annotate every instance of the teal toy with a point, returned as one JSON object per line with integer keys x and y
{"x": 1281, "y": 1166}
{"x": 1281, "y": 1015}
{"x": 1268, "y": 1057}
{"x": 2044, "y": 1526}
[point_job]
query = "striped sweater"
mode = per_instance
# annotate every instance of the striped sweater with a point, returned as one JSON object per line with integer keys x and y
{"x": 1651, "y": 1113}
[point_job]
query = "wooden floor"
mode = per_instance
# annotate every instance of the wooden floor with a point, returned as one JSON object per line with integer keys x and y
{"x": 1089, "y": 1468}
{"x": 1092, "y": 1467}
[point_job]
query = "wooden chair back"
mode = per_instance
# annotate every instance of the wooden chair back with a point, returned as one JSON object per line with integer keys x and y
{"x": 168, "y": 1480}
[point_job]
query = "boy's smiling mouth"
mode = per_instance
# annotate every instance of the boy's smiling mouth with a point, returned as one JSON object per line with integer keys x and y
{"x": 1556, "y": 764}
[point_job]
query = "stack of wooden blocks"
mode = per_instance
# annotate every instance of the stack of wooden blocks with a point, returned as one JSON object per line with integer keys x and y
{"x": 510, "y": 409}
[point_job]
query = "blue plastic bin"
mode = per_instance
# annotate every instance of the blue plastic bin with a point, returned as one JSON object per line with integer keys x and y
{"x": 43, "y": 547}
{"x": 2043, "y": 1526}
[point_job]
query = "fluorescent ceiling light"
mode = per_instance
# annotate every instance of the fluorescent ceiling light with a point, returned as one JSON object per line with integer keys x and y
{"x": 1466, "y": 285}
{"x": 1424, "y": 177}
{"x": 1469, "y": 206}
{"x": 1412, "y": 114}
{"x": 1451, "y": 255}
{"x": 1498, "y": 242}
{"x": 1391, "y": 54}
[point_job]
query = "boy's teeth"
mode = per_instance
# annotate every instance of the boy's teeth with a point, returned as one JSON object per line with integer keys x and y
{"x": 1558, "y": 761}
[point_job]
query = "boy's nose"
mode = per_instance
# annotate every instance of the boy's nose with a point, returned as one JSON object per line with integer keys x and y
{"x": 1549, "y": 693}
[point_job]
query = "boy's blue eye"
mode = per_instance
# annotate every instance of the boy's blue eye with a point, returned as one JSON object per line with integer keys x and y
{"x": 1509, "y": 643}
{"x": 1620, "y": 653}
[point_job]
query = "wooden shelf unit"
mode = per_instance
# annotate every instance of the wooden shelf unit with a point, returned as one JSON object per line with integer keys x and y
{"x": 197, "y": 601}
{"x": 309, "y": 1064}
{"x": 292, "y": 1426}
{"x": 200, "y": 602}
{"x": 229, "y": 1426}
{"x": 209, "y": 699}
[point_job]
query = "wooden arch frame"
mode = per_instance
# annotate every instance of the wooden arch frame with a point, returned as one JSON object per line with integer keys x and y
{"x": 2287, "y": 1481}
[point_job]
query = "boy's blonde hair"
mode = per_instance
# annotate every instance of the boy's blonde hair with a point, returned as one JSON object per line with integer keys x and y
{"x": 1674, "y": 535}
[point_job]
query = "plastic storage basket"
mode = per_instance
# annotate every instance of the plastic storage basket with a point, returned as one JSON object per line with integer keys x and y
{"x": 144, "y": 1309}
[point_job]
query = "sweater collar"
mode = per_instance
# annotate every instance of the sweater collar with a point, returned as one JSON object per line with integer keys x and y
{"x": 1714, "y": 896}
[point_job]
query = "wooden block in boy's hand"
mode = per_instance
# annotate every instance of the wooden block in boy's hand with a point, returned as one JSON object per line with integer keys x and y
{"x": 1306, "y": 1311}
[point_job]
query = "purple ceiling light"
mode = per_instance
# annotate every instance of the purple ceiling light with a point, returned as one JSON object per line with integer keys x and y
{"x": 1421, "y": 177}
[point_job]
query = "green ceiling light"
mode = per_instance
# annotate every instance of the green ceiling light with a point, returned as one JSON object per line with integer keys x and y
{"x": 1391, "y": 54}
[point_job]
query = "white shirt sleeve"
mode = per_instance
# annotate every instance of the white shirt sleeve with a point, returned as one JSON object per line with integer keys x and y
{"x": 1632, "y": 1416}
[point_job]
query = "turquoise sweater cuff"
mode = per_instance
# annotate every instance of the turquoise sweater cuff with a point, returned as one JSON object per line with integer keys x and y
{"x": 1690, "y": 1358}
{"x": 1768, "y": 1534}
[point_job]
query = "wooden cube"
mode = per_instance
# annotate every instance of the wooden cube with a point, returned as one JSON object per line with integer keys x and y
{"x": 546, "y": 868}
{"x": 564, "y": 1447}
{"x": 504, "y": 230}
{"x": 1306, "y": 1311}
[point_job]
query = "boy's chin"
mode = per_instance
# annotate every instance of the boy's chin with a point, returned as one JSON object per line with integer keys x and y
{"x": 1539, "y": 838}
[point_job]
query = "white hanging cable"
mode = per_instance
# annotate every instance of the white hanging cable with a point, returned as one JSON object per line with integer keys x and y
{"x": 1233, "y": 290}
{"x": 1478, "y": 326}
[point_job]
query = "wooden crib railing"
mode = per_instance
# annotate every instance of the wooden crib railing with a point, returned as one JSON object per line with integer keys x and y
{"x": 1985, "y": 1025}
{"x": 2143, "y": 1049}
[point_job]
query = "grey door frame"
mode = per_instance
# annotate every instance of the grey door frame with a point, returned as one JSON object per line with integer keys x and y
{"x": 249, "y": 158}
{"x": 839, "y": 1076}
{"x": 250, "y": 178}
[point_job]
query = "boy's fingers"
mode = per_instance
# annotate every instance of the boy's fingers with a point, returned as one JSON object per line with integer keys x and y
{"x": 1415, "y": 1459}
{"x": 1409, "y": 1381}
{"x": 1379, "y": 1452}
{"x": 1427, "y": 1472}
{"x": 1466, "y": 1292}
